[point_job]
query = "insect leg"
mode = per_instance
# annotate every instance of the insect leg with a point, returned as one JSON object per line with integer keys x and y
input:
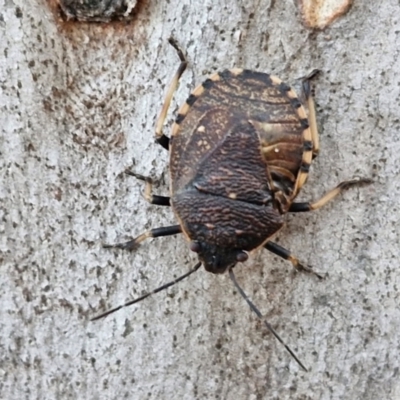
{"x": 311, "y": 110}
{"x": 160, "y": 137}
{"x": 302, "y": 207}
{"x": 286, "y": 255}
{"x": 151, "y": 198}
{"x": 152, "y": 233}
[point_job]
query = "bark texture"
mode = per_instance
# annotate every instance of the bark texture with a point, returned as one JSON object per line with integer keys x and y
{"x": 78, "y": 105}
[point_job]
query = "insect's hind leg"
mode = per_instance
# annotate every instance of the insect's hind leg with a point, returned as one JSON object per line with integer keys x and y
{"x": 160, "y": 137}
{"x": 306, "y": 87}
{"x": 307, "y": 206}
{"x": 151, "y": 198}
{"x": 287, "y": 255}
{"x": 152, "y": 233}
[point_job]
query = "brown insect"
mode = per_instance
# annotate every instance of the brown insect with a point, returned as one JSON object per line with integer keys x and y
{"x": 240, "y": 151}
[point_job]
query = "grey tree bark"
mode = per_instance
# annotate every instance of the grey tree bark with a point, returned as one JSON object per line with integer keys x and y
{"x": 78, "y": 105}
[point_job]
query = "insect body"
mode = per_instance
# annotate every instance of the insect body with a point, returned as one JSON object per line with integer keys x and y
{"x": 241, "y": 146}
{"x": 240, "y": 151}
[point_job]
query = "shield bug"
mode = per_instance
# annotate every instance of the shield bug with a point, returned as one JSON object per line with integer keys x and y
{"x": 240, "y": 151}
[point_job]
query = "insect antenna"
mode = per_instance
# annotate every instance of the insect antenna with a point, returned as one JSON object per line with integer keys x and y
{"x": 259, "y": 315}
{"x": 159, "y": 289}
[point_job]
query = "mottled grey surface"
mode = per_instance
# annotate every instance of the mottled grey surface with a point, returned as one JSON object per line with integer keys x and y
{"x": 78, "y": 106}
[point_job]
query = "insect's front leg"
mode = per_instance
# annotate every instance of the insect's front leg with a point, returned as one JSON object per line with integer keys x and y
{"x": 152, "y": 233}
{"x": 287, "y": 255}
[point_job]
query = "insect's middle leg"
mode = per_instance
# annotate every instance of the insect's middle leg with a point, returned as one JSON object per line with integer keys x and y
{"x": 152, "y": 233}
{"x": 160, "y": 137}
{"x": 287, "y": 255}
{"x": 151, "y": 198}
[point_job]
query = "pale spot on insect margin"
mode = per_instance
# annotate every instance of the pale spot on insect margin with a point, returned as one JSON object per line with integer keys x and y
{"x": 215, "y": 77}
{"x": 232, "y": 196}
{"x": 275, "y": 80}
{"x": 201, "y": 129}
{"x": 236, "y": 71}
{"x": 184, "y": 109}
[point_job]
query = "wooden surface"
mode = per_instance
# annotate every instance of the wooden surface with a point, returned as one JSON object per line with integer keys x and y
{"x": 78, "y": 105}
